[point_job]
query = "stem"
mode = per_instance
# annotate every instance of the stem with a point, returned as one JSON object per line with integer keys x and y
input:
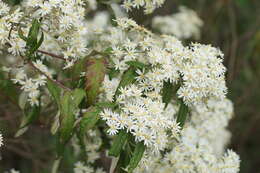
{"x": 52, "y": 55}
{"x": 55, "y": 81}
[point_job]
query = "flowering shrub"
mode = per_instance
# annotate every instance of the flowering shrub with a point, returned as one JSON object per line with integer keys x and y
{"x": 117, "y": 91}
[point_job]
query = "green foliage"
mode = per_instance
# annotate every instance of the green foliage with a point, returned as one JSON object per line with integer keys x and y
{"x": 55, "y": 91}
{"x": 127, "y": 78}
{"x": 69, "y": 105}
{"x": 30, "y": 114}
{"x": 167, "y": 93}
{"x": 95, "y": 73}
{"x": 136, "y": 64}
{"x": 32, "y": 41}
{"x": 118, "y": 143}
{"x": 7, "y": 88}
{"x": 67, "y": 118}
{"x": 89, "y": 120}
{"x": 182, "y": 114}
{"x": 137, "y": 156}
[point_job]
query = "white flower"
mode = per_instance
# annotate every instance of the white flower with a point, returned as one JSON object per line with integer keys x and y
{"x": 81, "y": 168}
{"x": 184, "y": 24}
{"x": 4, "y": 8}
{"x": 17, "y": 46}
{"x": 1, "y": 140}
{"x": 14, "y": 171}
{"x": 149, "y": 5}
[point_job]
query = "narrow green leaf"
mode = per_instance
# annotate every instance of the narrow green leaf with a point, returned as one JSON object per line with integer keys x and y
{"x": 123, "y": 161}
{"x": 167, "y": 92}
{"x": 182, "y": 114}
{"x": 108, "y": 50}
{"x": 113, "y": 73}
{"x": 95, "y": 73}
{"x": 30, "y": 115}
{"x": 37, "y": 45}
{"x": 137, "y": 156}
{"x": 77, "y": 96}
{"x": 76, "y": 73}
{"x": 118, "y": 143}
{"x": 67, "y": 117}
{"x": 136, "y": 64}
{"x": 55, "y": 91}
{"x": 89, "y": 119}
{"x": 33, "y": 33}
{"x": 125, "y": 156}
{"x": 106, "y": 105}
{"x": 7, "y": 87}
{"x": 127, "y": 78}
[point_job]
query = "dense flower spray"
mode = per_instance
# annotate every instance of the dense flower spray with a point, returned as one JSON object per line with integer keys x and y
{"x": 177, "y": 25}
{"x": 142, "y": 101}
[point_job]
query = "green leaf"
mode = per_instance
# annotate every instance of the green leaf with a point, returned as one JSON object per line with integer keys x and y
{"x": 69, "y": 104}
{"x": 182, "y": 114}
{"x": 127, "y": 78}
{"x": 123, "y": 161}
{"x": 136, "y": 64}
{"x": 137, "y": 156}
{"x": 33, "y": 33}
{"x": 95, "y": 73}
{"x": 106, "y": 105}
{"x": 89, "y": 119}
{"x": 167, "y": 92}
{"x": 37, "y": 45}
{"x": 7, "y": 87}
{"x": 108, "y": 51}
{"x": 113, "y": 73}
{"x": 75, "y": 74}
{"x": 30, "y": 115}
{"x": 118, "y": 143}
{"x": 55, "y": 91}
{"x": 77, "y": 96}
{"x": 67, "y": 117}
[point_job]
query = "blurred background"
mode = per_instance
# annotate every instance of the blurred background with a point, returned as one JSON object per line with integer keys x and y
{"x": 231, "y": 25}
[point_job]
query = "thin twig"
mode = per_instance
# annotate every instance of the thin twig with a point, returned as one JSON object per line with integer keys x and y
{"x": 51, "y": 54}
{"x": 55, "y": 81}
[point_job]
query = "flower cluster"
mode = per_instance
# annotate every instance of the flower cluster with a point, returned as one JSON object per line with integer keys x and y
{"x": 149, "y": 5}
{"x": 79, "y": 167}
{"x": 197, "y": 150}
{"x": 13, "y": 171}
{"x": 183, "y": 25}
{"x": 197, "y": 68}
{"x": 147, "y": 78}
{"x": 202, "y": 74}
{"x": 32, "y": 85}
{"x": 144, "y": 117}
{"x": 64, "y": 26}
